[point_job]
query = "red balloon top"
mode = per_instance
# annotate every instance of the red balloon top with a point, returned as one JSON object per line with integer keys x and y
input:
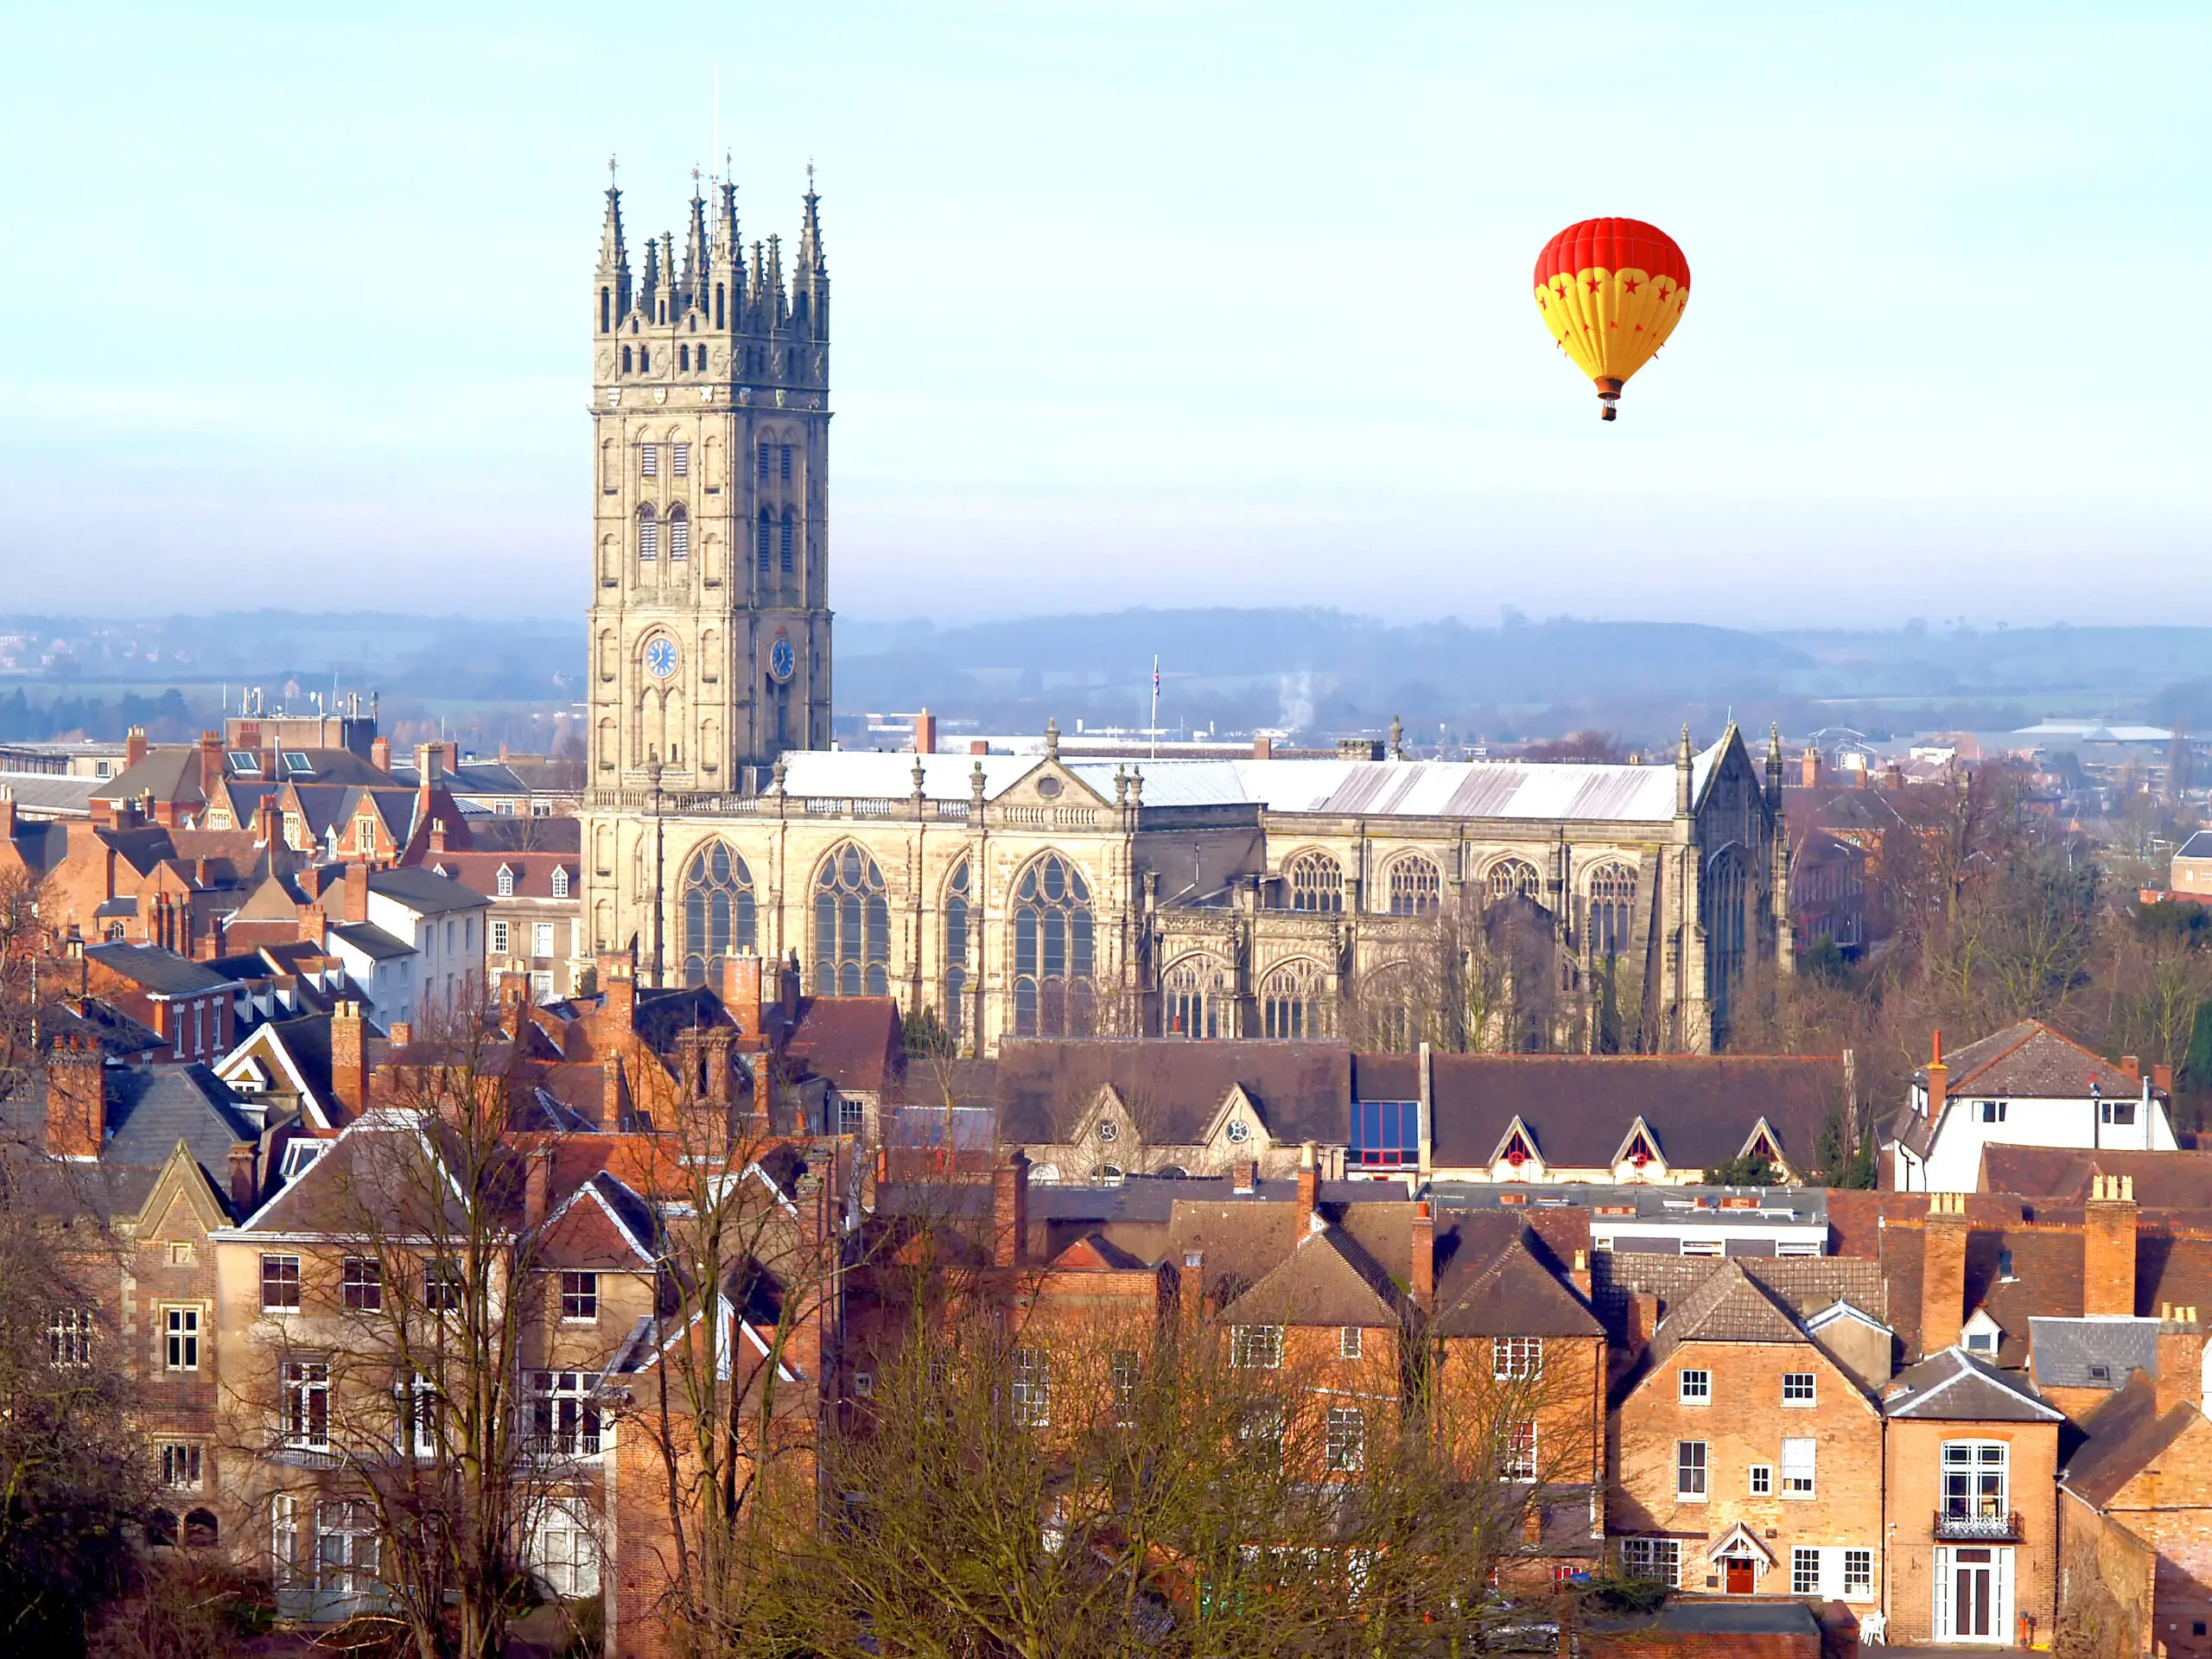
{"x": 1612, "y": 245}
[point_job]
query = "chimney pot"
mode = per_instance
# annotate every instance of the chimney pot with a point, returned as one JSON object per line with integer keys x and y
{"x": 1942, "y": 1272}
{"x": 1010, "y": 1210}
{"x": 1309, "y": 1183}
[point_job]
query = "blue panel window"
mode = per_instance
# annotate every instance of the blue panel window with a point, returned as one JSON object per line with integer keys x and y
{"x": 1386, "y": 1134}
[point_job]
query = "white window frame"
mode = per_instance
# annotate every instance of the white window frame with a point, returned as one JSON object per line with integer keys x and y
{"x": 500, "y": 940}
{"x": 560, "y": 880}
{"x": 420, "y": 1428}
{"x": 541, "y": 939}
{"x": 347, "y": 1552}
{"x": 1762, "y": 1480}
{"x": 1804, "y": 1571}
{"x": 564, "y": 1416}
{"x": 1520, "y": 1449}
{"x": 1973, "y": 1462}
{"x": 583, "y": 1296}
{"x": 505, "y": 881}
{"x": 1255, "y": 1347}
{"x": 1693, "y": 1387}
{"x": 1808, "y": 1399}
{"x": 304, "y": 1422}
{"x": 182, "y": 1466}
{"x": 179, "y": 1337}
{"x": 1516, "y": 1358}
{"x": 1653, "y": 1558}
{"x": 1031, "y": 1389}
{"x": 69, "y": 1338}
{"x": 1350, "y": 1342}
{"x": 1858, "y": 1586}
{"x": 278, "y": 1259}
{"x": 564, "y": 1553}
{"x": 1693, "y": 1471}
{"x": 1800, "y": 1466}
{"x": 1344, "y": 1440}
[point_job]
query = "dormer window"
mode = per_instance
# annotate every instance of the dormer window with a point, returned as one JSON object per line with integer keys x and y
{"x": 507, "y": 882}
{"x": 560, "y": 881}
{"x": 1982, "y": 1334}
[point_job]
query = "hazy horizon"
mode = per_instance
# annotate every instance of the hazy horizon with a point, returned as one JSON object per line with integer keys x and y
{"x": 1135, "y": 305}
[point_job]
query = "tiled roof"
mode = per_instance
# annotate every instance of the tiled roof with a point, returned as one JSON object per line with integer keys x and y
{"x": 1327, "y": 1278}
{"x": 1509, "y": 1291}
{"x": 156, "y": 969}
{"x": 2163, "y": 1180}
{"x": 1955, "y": 1386}
{"x": 423, "y": 892}
{"x": 1700, "y": 1109}
{"x": 1730, "y": 1306}
{"x": 856, "y": 1042}
{"x": 2197, "y": 845}
{"x": 1239, "y": 1243}
{"x": 2128, "y": 1435}
{"x": 1806, "y": 1284}
{"x": 150, "y": 1108}
{"x": 371, "y": 941}
{"x": 2031, "y": 1060}
{"x": 532, "y": 872}
{"x": 1043, "y": 1087}
{"x": 2062, "y": 1352}
{"x": 173, "y": 775}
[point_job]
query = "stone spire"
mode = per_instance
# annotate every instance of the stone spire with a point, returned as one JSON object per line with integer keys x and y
{"x": 811, "y": 276}
{"x": 667, "y": 261}
{"x": 653, "y": 267}
{"x": 729, "y": 253}
{"x": 1682, "y": 768}
{"x": 613, "y": 257}
{"x": 1774, "y": 764}
{"x": 697, "y": 256}
{"x": 811, "y": 261}
{"x": 778, "y": 299}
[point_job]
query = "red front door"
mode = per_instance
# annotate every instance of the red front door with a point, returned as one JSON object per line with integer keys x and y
{"x": 1739, "y": 1576}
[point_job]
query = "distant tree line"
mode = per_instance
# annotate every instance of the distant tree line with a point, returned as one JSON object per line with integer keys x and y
{"x": 166, "y": 718}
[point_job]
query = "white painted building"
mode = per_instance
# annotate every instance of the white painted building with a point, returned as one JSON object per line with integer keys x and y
{"x": 2027, "y": 1085}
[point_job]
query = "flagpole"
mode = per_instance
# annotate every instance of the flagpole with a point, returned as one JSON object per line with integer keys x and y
{"x": 1155, "y": 707}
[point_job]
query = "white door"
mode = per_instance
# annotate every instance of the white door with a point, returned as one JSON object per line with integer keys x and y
{"x": 1974, "y": 1594}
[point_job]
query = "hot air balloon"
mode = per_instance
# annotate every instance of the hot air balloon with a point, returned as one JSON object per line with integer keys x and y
{"x": 1611, "y": 290}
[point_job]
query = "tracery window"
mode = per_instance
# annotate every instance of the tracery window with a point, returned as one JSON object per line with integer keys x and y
{"x": 1291, "y": 1000}
{"x": 1317, "y": 882}
{"x": 679, "y": 533}
{"x": 955, "y": 949}
{"x": 1416, "y": 886}
{"x": 648, "y": 535}
{"x": 1386, "y": 1005}
{"x": 1612, "y": 908}
{"x": 852, "y": 926}
{"x": 761, "y": 549}
{"x": 786, "y": 541}
{"x": 1195, "y": 990}
{"x": 1052, "y": 950}
{"x": 1511, "y": 878}
{"x": 1726, "y": 884}
{"x": 718, "y": 909}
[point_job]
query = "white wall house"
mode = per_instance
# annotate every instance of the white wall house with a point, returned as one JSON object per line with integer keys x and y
{"x": 2027, "y": 1085}
{"x": 444, "y": 923}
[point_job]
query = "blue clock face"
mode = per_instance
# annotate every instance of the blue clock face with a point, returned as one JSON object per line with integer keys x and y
{"x": 660, "y": 657}
{"x": 780, "y": 660}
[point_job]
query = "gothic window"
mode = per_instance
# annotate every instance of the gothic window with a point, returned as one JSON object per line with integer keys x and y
{"x": 683, "y": 357}
{"x": 718, "y": 305}
{"x": 852, "y": 927}
{"x": 764, "y": 541}
{"x": 1317, "y": 882}
{"x": 625, "y": 359}
{"x": 560, "y": 881}
{"x": 1290, "y": 1001}
{"x": 783, "y": 461}
{"x": 1723, "y": 903}
{"x": 648, "y": 535}
{"x": 1196, "y": 993}
{"x": 955, "y": 949}
{"x": 681, "y": 453}
{"x": 606, "y": 309}
{"x": 644, "y": 359}
{"x": 1386, "y": 1003}
{"x": 763, "y": 463}
{"x": 1415, "y": 886}
{"x": 1612, "y": 908}
{"x": 1511, "y": 878}
{"x": 718, "y": 909}
{"x": 787, "y": 541}
{"x": 679, "y": 533}
{"x": 1052, "y": 955}
{"x": 649, "y": 460}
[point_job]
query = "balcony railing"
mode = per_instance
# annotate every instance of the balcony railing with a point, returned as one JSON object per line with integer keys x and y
{"x": 1997, "y": 1525}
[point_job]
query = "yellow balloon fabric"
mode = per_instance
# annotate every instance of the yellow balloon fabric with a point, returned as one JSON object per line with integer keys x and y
{"x": 1611, "y": 291}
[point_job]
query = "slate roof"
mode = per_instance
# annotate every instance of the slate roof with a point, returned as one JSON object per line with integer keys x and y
{"x": 1955, "y": 1386}
{"x": 1729, "y": 1305}
{"x": 1700, "y": 1108}
{"x": 150, "y": 1108}
{"x": 90, "y": 1019}
{"x": 532, "y": 872}
{"x": 1327, "y": 1278}
{"x": 1806, "y": 1284}
{"x": 371, "y": 941}
{"x": 157, "y": 969}
{"x": 2197, "y": 845}
{"x": 2031, "y": 1060}
{"x": 420, "y": 890}
{"x": 532, "y": 837}
{"x": 856, "y": 1042}
{"x": 2127, "y": 1436}
{"x": 2061, "y": 1352}
{"x": 172, "y": 773}
{"x": 1239, "y": 1242}
{"x": 1043, "y": 1087}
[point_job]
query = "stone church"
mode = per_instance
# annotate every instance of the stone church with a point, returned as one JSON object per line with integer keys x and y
{"x": 1388, "y": 900}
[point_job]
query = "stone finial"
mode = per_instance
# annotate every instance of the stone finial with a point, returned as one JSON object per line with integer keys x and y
{"x": 776, "y": 774}
{"x": 1136, "y": 787}
{"x": 1397, "y": 738}
{"x": 1121, "y": 786}
{"x": 976, "y": 785}
{"x": 918, "y": 778}
{"x": 1052, "y": 738}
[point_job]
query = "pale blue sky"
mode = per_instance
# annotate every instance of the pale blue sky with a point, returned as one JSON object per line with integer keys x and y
{"x": 1136, "y": 303}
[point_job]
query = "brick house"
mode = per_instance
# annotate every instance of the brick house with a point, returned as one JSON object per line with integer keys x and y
{"x": 536, "y": 901}
{"x": 2135, "y": 1514}
{"x": 189, "y": 1004}
{"x": 1746, "y": 1461}
{"x": 1970, "y": 1467}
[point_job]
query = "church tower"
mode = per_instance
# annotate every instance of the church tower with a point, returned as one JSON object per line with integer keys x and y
{"x": 709, "y": 618}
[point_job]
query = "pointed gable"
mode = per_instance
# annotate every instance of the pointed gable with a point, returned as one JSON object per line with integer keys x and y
{"x": 1510, "y": 1293}
{"x": 1728, "y": 1305}
{"x": 1328, "y": 1279}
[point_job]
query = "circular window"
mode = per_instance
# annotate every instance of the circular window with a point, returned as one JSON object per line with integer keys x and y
{"x": 1108, "y": 1129}
{"x": 1239, "y": 1130}
{"x": 1048, "y": 787}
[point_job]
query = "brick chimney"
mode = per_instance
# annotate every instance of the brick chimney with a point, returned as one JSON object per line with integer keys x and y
{"x": 245, "y": 1190}
{"x": 2109, "y": 1247}
{"x": 2161, "y": 1079}
{"x": 357, "y": 892}
{"x": 738, "y": 983}
{"x": 429, "y": 764}
{"x": 1639, "y": 1318}
{"x": 979, "y": 746}
{"x": 610, "y": 1094}
{"x": 1942, "y": 1272}
{"x": 926, "y": 732}
{"x": 2132, "y": 1068}
{"x": 76, "y": 1099}
{"x": 1424, "y": 1248}
{"x": 2181, "y": 1359}
{"x": 211, "y": 765}
{"x": 1010, "y": 1210}
{"x": 1939, "y": 1080}
{"x": 134, "y": 747}
{"x": 514, "y": 998}
{"x": 1264, "y": 748}
{"x": 403, "y": 1033}
{"x": 537, "y": 1187}
{"x": 1808, "y": 768}
{"x": 380, "y": 753}
{"x": 349, "y": 1063}
{"x": 1309, "y": 1186}
{"x": 617, "y": 990}
{"x": 1244, "y": 1175}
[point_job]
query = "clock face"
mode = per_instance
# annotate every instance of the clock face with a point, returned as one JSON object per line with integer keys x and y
{"x": 660, "y": 657}
{"x": 780, "y": 660}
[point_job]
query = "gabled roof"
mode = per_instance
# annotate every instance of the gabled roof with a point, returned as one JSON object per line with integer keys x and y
{"x": 856, "y": 1042}
{"x": 1955, "y": 1387}
{"x": 2163, "y": 1180}
{"x": 1043, "y": 1088}
{"x": 172, "y": 775}
{"x": 371, "y": 941}
{"x": 2031, "y": 1060}
{"x": 423, "y": 892}
{"x": 2061, "y": 1352}
{"x": 1238, "y": 1244}
{"x": 1327, "y": 1279}
{"x": 90, "y": 1019}
{"x": 158, "y": 970}
{"x": 1730, "y": 1306}
{"x": 1509, "y": 1291}
{"x": 2129, "y": 1436}
{"x": 1096, "y": 1253}
{"x": 150, "y": 1108}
